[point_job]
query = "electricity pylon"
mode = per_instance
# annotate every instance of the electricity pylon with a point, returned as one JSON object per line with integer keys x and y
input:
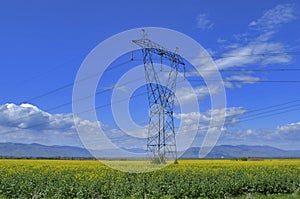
{"x": 161, "y": 142}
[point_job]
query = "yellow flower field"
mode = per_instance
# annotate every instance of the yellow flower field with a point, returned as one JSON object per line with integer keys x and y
{"x": 188, "y": 179}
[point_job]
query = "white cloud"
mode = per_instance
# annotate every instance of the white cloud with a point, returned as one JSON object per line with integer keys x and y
{"x": 216, "y": 116}
{"x": 26, "y": 123}
{"x": 290, "y": 131}
{"x": 122, "y": 88}
{"x": 284, "y": 136}
{"x": 247, "y": 51}
{"x": 189, "y": 118}
{"x": 22, "y": 116}
{"x": 220, "y": 40}
{"x": 186, "y": 96}
{"x": 231, "y": 114}
{"x": 254, "y": 53}
{"x": 259, "y": 51}
{"x": 197, "y": 126}
{"x": 274, "y": 18}
{"x": 27, "y": 115}
{"x": 243, "y": 55}
{"x": 241, "y": 79}
{"x": 204, "y": 23}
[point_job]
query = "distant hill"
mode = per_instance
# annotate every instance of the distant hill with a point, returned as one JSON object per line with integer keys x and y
{"x": 229, "y": 151}
{"x": 222, "y": 151}
{"x": 37, "y": 150}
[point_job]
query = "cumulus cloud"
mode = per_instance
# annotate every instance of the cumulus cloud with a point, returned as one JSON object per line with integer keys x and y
{"x": 203, "y": 22}
{"x": 192, "y": 120}
{"x": 26, "y": 123}
{"x": 22, "y": 116}
{"x": 206, "y": 127}
{"x": 28, "y": 116}
{"x": 230, "y": 115}
{"x": 289, "y": 127}
{"x": 290, "y": 131}
{"x": 283, "y": 136}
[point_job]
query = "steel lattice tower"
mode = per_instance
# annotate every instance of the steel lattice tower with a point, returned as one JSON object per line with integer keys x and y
{"x": 161, "y": 142}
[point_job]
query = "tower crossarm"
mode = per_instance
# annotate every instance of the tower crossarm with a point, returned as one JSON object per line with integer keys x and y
{"x": 146, "y": 43}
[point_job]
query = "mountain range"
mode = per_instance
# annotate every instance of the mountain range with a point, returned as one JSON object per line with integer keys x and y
{"x": 18, "y": 150}
{"x": 230, "y": 152}
{"x": 37, "y": 150}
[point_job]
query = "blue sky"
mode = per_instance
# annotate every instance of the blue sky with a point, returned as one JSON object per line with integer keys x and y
{"x": 43, "y": 44}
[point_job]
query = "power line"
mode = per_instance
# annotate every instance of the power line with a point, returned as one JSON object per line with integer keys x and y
{"x": 121, "y": 64}
{"x": 49, "y": 92}
{"x": 80, "y": 99}
{"x": 97, "y": 107}
{"x": 250, "y": 70}
{"x": 89, "y": 96}
{"x": 250, "y": 118}
{"x": 269, "y": 54}
{"x": 270, "y": 111}
{"x": 85, "y": 111}
{"x": 66, "y": 86}
{"x": 287, "y": 69}
{"x": 273, "y": 106}
{"x": 246, "y": 81}
{"x": 116, "y": 102}
{"x": 250, "y": 55}
{"x": 222, "y": 70}
{"x": 105, "y": 105}
{"x": 57, "y": 66}
{"x": 71, "y": 84}
{"x": 269, "y": 115}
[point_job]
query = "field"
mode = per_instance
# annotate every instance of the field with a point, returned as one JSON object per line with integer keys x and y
{"x": 188, "y": 179}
